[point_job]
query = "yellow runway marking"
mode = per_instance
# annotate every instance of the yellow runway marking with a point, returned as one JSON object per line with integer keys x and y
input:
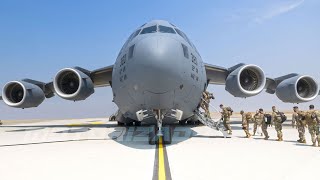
{"x": 99, "y": 122}
{"x": 161, "y": 169}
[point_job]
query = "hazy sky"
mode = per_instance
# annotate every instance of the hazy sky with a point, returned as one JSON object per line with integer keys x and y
{"x": 40, "y": 37}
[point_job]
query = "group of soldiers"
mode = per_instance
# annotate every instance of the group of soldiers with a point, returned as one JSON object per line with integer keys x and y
{"x": 300, "y": 119}
{"x": 226, "y": 112}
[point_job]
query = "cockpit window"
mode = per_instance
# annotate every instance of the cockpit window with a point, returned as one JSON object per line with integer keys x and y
{"x": 165, "y": 29}
{"x": 135, "y": 34}
{"x": 183, "y": 36}
{"x": 173, "y": 25}
{"x": 151, "y": 29}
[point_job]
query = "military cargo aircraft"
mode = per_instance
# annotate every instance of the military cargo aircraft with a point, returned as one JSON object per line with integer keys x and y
{"x": 158, "y": 78}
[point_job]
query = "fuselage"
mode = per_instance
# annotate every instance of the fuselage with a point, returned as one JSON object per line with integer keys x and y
{"x": 158, "y": 68}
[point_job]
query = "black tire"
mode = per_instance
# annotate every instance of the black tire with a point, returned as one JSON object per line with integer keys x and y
{"x": 167, "y": 135}
{"x": 191, "y": 122}
{"x": 112, "y": 118}
{"x": 120, "y": 123}
{"x": 153, "y": 138}
{"x": 129, "y": 124}
{"x": 137, "y": 123}
{"x": 182, "y": 122}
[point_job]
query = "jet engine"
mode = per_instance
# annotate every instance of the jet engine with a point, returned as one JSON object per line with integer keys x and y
{"x": 73, "y": 84}
{"x": 297, "y": 89}
{"x": 21, "y": 94}
{"x": 246, "y": 81}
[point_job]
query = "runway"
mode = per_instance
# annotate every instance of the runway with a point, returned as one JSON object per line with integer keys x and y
{"x": 98, "y": 149}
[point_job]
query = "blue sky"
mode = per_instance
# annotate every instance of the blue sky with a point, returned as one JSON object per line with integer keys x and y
{"x": 40, "y": 37}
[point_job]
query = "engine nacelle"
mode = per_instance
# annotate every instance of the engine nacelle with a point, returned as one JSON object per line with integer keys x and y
{"x": 73, "y": 84}
{"x": 297, "y": 89}
{"x": 22, "y": 94}
{"x": 246, "y": 81}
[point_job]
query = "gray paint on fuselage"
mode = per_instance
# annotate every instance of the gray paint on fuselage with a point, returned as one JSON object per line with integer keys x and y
{"x": 158, "y": 76}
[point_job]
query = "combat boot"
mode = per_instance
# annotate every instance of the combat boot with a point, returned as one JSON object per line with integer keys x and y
{"x": 266, "y": 138}
{"x": 248, "y": 135}
{"x": 303, "y": 141}
{"x": 314, "y": 145}
{"x": 279, "y": 138}
{"x": 299, "y": 140}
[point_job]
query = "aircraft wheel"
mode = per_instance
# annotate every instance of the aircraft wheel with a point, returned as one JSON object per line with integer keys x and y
{"x": 190, "y": 122}
{"x": 112, "y": 118}
{"x": 153, "y": 138}
{"x": 120, "y": 123}
{"x": 137, "y": 123}
{"x": 167, "y": 134}
{"x": 182, "y": 122}
{"x": 129, "y": 124}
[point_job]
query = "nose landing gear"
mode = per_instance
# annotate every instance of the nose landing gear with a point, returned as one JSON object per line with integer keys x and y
{"x": 156, "y": 132}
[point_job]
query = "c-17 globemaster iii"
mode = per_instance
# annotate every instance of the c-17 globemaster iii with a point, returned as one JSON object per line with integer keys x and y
{"x": 158, "y": 78}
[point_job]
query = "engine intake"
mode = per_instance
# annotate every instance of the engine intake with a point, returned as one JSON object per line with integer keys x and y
{"x": 73, "y": 84}
{"x": 22, "y": 94}
{"x": 246, "y": 81}
{"x": 297, "y": 89}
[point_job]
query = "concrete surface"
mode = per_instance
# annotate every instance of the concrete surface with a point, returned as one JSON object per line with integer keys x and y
{"x": 98, "y": 149}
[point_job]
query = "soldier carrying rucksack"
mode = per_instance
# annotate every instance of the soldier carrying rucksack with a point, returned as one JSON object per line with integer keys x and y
{"x": 313, "y": 125}
{"x": 225, "y": 114}
{"x": 278, "y": 118}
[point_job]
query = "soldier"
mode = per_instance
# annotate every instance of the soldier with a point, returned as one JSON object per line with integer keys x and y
{"x": 205, "y": 101}
{"x": 294, "y": 119}
{"x": 0, "y": 122}
{"x": 313, "y": 125}
{"x": 259, "y": 118}
{"x": 246, "y": 117}
{"x": 299, "y": 118}
{"x": 226, "y": 113}
{"x": 277, "y": 121}
{"x": 255, "y": 123}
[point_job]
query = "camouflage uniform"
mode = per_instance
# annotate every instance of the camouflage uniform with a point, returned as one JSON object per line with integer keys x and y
{"x": 259, "y": 120}
{"x": 246, "y": 117}
{"x": 226, "y": 119}
{"x": 206, "y": 96}
{"x": 294, "y": 122}
{"x": 276, "y": 119}
{"x": 297, "y": 116}
{"x": 255, "y": 124}
{"x": 313, "y": 126}
{"x": 205, "y": 103}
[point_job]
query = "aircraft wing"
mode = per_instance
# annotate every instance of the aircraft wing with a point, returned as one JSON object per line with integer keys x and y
{"x": 244, "y": 80}
{"x": 73, "y": 84}
{"x": 216, "y": 74}
{"x": 102, "y": 77}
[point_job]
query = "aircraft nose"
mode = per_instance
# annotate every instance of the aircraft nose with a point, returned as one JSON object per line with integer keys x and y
{"x": 159, "y": 61}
